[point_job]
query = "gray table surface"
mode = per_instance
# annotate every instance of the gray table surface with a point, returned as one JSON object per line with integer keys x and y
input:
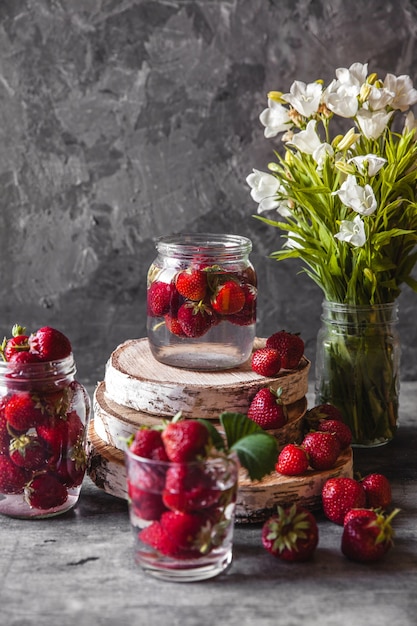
{"x": 79, "y": 569}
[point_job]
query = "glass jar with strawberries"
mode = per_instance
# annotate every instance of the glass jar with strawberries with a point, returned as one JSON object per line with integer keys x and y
{"x": 44, "y": 414}
{"x": 201, "y": 301}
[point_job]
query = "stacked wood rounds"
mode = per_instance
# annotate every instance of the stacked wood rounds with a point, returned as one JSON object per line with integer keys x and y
{"x": 138, "y": 390}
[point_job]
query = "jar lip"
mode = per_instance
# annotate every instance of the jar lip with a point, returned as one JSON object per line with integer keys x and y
{"x": 341, "y": 306}
{"x": 213, "y": 460}
{"x": 39, "y": 369}
{"x": 207, "y": 243}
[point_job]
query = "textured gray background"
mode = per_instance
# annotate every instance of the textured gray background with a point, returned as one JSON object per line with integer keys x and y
{"x": 123, "y": 120}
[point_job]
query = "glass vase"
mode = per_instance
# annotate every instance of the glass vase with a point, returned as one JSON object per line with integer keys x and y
{"x": 357, "y": 368}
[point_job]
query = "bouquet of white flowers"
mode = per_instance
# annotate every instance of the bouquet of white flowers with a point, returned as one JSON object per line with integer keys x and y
{"x": 344, "y": 186}
{"x": 347, "y": 203}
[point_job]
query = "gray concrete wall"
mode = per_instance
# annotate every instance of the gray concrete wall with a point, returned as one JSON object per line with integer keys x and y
{"x": 123, "y": 120}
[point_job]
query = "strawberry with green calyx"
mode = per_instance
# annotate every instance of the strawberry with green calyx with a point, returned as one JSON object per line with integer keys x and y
{"x": 45, "y": 491}
{"x": 368, "y": 540}
{"x": 291, "y": 534}
{"x": 195, "y": 318}
{"x": 185, "y": 440}
{"x": 179, "y": 535}
{"x": 23, "y": 411}
{"x": 267, "y": 409}
{"x": 18, "y": 343}
{"x": 290, "y": 347}
{"x": 28, "y": 451}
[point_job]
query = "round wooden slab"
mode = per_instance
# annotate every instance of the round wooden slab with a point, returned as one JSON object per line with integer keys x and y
{"x": 135, "y": 379}
{"x": 114, "y": 423}
{"x": 255, "y": 501}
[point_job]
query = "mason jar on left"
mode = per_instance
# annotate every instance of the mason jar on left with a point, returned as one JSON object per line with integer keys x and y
{"x": 44, "y": 414}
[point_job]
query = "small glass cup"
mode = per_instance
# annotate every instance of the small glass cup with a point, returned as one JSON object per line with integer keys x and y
{"x": 44, "y": 413}
{"x": 182, "y": 515}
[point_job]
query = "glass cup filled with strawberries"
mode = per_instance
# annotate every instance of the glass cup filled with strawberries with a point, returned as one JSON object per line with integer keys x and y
{"x": 44, "y": 413}
{"x": 181, "y": 502}
{"x": 201, "y": 301}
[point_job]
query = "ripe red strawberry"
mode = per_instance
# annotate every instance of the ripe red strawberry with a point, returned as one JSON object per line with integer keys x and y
{"x": 12, "y": 477}
{"x": 352, "y": 513}
{"x": 290, "y": 347}
{"x": 54, "y": 432}
{"x": 24, "y": 357}
{"x": 367, "y": 540}
{"x": 28, "y": 451}
{"x": 292, "y": 460}
{"x": 267, "y": 410}
{"x": 247, "y": 314}
{"x": 45, "y": 491}
{"x": 50, "y": 344}
{"x": 159, "y": 298}
{"x": 147, "y": 505}
{"x": 229, "y": 298}
{"x": 5, "y": 435}
{"x": 195, "y": 318}
{"x": 148, "y": 443}
{"x": 192, "y": 284}
{"x": 323, "y": 449}
{"x": 189, "y": 531}
{"x": 185, "y": 440}
{"x": 158, "y": 538}
{"x": 23, "y": 411}
{"x": 266, "y": 361}
{"x": 339, "y": 429}
{"x": 339, "y": 495}
{"x": 378, "y": 490}
{"x": 173, "y": 325}
{"x": 189, "y": 488}
{"x": 292, "y": 534}
{"x": 15, "y": 346}
{"x": 71, "y": 470}
{"x": 322, "y": 412}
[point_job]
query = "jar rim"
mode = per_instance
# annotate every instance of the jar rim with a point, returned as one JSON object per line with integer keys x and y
{"x": 210, "y": 244}
{"x": 38, "y": 370}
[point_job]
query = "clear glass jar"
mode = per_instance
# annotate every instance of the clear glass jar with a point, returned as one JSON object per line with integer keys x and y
{"x": 357, "y": 368}
{"x": 44, "y": 414}
{"x": 201, "y": 301}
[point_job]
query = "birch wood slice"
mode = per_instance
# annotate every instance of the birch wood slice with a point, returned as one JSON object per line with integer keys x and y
{"x": 114, "y": 423}
{"x": 255, "y": 500}
{"x": 135, "y": 379}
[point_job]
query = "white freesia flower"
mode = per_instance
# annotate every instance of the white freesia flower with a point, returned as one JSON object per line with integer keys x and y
{"x": 354, "y": 76}
{"x": 305, "y": 99}
{"x": 368, "y": 164}
{"x": 342, "y": 99}
{"x": 321, "y": 153}
{"x": 361, "y": 199}
{"x": 275, "y": 118}
{"x": 307, "y": 140}
{"x": 402, "y": 87}
{"x": 264, "y": 188}
{"x": 373, "y": 123}
{"x": 352, "y": 232}
{"x": 379, "y": 98}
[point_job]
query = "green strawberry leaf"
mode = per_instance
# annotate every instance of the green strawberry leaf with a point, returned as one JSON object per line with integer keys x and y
{"x": 256, "y": 449}
{"x": 236, "y": 426}
{"x": 216, "y": 438}
{"x": 257, "y": 454}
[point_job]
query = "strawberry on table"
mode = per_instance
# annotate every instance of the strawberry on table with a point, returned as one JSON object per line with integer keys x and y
{"x": 291, "y": 534}
{"x": 367, "y": 540}
{"x": 266, "y": 361}
{"x": 322, "y": 449}
{"x": 267, "y": 409}
{"x": 292, "y": 460}
{"x": 378, "y": 490}
{"x": 339, "y": 495}
{"x": 362, "y": 512}
{"x": 290, "y": 347}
